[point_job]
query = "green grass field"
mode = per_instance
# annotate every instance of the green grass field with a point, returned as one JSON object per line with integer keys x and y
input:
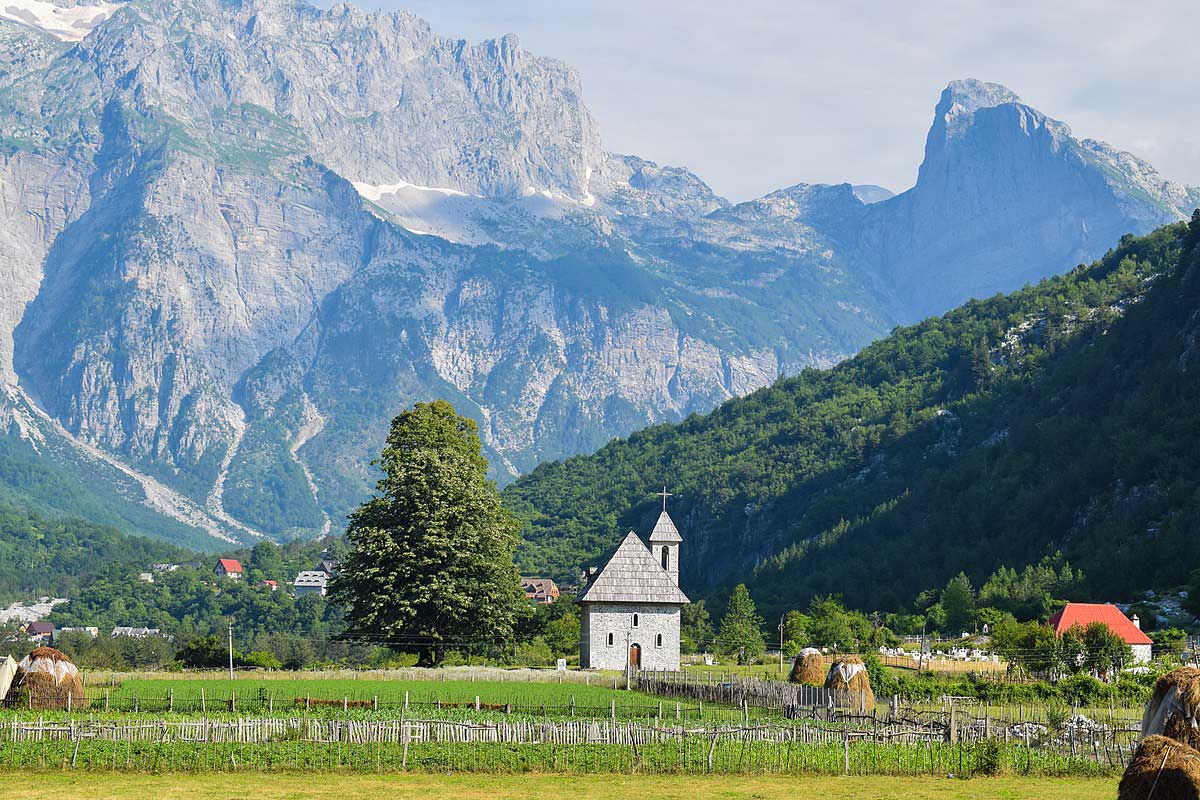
{"x": 280, "y": 694}
{"x": 260, "y": 695}
{"x": 319, "y": 786}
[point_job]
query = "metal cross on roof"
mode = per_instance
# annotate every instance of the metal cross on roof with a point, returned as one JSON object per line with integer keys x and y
{"x": 664, "y": 494}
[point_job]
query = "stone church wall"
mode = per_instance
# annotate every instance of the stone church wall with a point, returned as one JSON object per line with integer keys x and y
{"x": 653, "y": 621}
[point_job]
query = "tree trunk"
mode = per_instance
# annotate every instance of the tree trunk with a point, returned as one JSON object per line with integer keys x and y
{"x": 432, "y": 655}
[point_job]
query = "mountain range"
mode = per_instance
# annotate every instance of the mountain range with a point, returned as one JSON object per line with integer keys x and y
{"x": 236, "y": 238}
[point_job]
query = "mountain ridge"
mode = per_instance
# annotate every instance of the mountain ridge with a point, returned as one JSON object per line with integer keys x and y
{"x": 242, "y": 236}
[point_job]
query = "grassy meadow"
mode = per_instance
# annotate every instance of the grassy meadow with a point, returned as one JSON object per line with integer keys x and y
{"x": 449, "y": 695}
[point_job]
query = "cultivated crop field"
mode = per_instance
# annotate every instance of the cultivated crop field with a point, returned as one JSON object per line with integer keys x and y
{"x": 103, "y": 786}
{"x": 386, "y": 698}
{"x": 476, "y": 694}
{"x": 488, "y": 722}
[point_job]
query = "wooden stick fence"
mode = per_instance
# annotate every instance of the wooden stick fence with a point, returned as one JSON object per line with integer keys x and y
{"x": 575, "y": 746}
{"x": 749, "y": 692}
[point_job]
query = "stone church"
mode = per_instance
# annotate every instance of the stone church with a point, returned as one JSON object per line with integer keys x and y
{"x": 630, "y": 606}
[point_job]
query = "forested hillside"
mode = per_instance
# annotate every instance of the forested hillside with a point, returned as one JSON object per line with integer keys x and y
{"x": 1061, "y": 417}
{"x": 42, "y": 555}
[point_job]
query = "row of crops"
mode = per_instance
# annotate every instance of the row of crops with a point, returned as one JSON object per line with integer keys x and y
{"x": 688, "y": 754}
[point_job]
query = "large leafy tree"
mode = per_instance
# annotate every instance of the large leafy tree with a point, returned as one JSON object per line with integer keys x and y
{"x": 431, "y": 565}
{"x": 1107, "y": 653}
{"x": 741, "y": 628}
{"x": 831, "y": 625}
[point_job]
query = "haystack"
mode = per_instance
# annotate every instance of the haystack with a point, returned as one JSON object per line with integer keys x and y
{"x": 849, "y": 673}
{"x": 809, "y": 667}
{"x": 1174, "y": 708}
{"x": 46, "y": 679}
{"x": 1162, "y": 769}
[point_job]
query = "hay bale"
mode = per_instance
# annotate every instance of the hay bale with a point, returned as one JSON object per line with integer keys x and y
{"x": 1163, "y": 769}
{"x": 47, "y": 680}
{"x": 808, "y": 668}
{"x": 849, "y": 674}
{"x": 1174, "y": 707}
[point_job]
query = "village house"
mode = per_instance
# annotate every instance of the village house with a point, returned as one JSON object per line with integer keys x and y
{"x": 229, "y": 568}
{"x": 272, "y": 585}
{"x": 134, "y": 632}
{"x": 310, "y": 582}
{"x": 327, "y": 564}
{"x": 39, "y": 631}
{"x": 542, "y": 591}
{"x": 630, "y": 607}
{"x": 1083, "y": 614}
{"x": 90, "y": 630}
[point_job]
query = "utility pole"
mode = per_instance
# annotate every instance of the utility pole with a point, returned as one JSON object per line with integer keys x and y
{"x": 781, "y": 643}
{"x": 230, "y": 649}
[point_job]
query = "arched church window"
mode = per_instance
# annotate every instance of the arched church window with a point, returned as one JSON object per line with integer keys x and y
{"x": 658, "y": 640}
{"x": 666, "y": 558}
{"x": 635, "y": 620}
{"x": 610, "y": 640}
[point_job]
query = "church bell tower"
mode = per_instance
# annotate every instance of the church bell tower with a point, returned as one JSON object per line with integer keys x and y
{"x": 665, "y": 541}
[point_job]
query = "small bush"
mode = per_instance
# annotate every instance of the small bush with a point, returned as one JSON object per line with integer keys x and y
{"x": 989, "y": 757}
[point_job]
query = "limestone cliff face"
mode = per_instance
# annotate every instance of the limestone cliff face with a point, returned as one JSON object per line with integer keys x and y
{"x": 1005, "y": 196}
{"x": 219, "y": 234}
{"x": 236, "y": 238}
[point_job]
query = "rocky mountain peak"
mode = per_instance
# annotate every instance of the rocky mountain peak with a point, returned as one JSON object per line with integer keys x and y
{"x": 968, "y": 95}
{"x": 974, "y": 109}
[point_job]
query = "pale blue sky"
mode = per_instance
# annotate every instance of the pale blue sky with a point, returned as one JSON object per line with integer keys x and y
{"x": 759, "y": 94}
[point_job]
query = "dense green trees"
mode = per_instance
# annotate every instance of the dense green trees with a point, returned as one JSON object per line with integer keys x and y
{"x": 41, "y": 555}
{"x": 695, "y": 628}
{"x": 1034, "y": 592}
{"x": 430, "y": 565}
{"x": 1034, "y": 646}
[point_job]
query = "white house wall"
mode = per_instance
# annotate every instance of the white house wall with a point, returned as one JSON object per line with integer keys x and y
{"x": 601, "y": 619}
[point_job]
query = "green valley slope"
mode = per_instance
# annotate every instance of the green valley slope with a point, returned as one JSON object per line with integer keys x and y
{"x": 1063, "y": 416}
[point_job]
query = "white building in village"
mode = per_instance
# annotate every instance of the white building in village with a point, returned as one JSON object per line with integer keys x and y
{"x": 630, "y": 606}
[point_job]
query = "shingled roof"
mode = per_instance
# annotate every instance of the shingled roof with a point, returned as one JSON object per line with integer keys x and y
{"x": 633, "y": 576}
{"x": 665, "y": 531}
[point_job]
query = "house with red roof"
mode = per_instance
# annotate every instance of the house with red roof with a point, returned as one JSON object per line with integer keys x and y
{"x": 1084, "y": 614}
{"x": 229, "y": 568}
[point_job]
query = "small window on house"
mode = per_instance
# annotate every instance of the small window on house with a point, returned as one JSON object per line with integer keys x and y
{"x": 635, "y": 620}
{"x": 610, "y": 640}
{"x": 666, "y": 558}
{"x": 658, "y": 640}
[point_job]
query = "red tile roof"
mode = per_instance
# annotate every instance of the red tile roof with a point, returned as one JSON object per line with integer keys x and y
{"x": 1084, "y": 614}
{"x": 230, "y": 564}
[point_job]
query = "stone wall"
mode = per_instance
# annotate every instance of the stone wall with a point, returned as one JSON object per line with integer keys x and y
{"x": 653, "y": 621}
